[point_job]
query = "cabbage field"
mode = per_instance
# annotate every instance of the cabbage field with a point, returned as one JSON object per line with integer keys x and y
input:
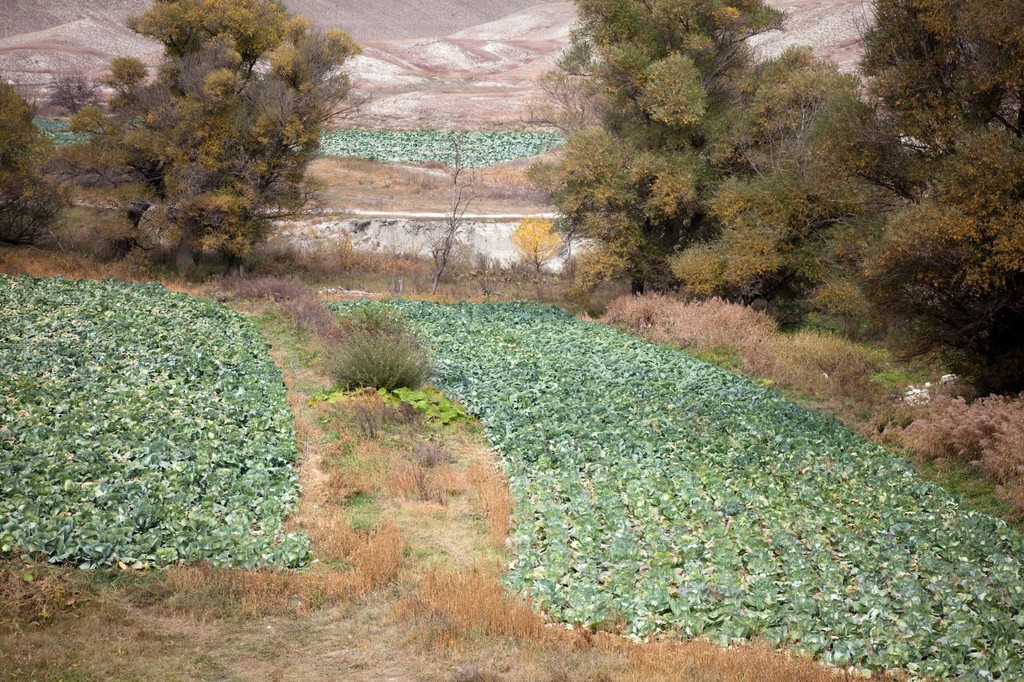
{"x": 141, "y": 427}
{"x": 57, "y": 132}
{"x": 659, "y": 493}
{"x": 478, "y": 149}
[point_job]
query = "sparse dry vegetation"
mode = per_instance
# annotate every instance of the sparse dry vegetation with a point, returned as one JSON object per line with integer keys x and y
{"x": 827, "y": 368}
{"x": 987, "y": 434}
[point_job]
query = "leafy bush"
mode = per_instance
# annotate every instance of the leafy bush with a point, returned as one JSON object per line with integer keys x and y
{"x": 670, "y": 495}
{"x": 376, "y": 351}
{"x": 140, "y": 426}
{"x": 431, "y": 403}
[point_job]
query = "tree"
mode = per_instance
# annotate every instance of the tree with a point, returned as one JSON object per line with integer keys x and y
{"x": 461, "y": 195}
{"x": 29, "y": 202}
{"x": 218, "y": 144}
{"x": 786, "y": 205}
{"x": 72, "y": 91}
{"x": 670, "y": 74}
{"x": 942, "y": 133}
{"x": 536, "y": 242}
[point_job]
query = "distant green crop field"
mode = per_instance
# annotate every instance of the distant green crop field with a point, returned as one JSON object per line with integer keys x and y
{"x": 666, "y": 494}
{"x": 478, "y": 149}
{"x": 58, "y": 132}
{"x": 140, "y": 426}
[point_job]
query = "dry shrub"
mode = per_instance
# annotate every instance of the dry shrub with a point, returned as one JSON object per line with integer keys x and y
{"x": 36, "y": 593}
{"x": 494, "y": 499}
{"x": 703, "y": 325}
{"x": 413, "y": 481}
{"x": 988, "y": 433}
{"x": 372, "y": 416}
{"x": 473, "y": 600}
{"x": 263, "y": 288}
{"x": 428, "y": 455}
{"x": 283, "y": 258}
{"x": 816, "y": 364}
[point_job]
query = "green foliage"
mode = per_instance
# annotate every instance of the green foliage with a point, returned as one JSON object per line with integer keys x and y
{"x": 218, "y": 146}
{"x": 57, "y": 132}
{"x": 430, "y": 402}
{"x": 777, "y": 215}
{"x": 477, "y": 149}
{"x": 943, "y": 136}
{"x": 29, "y": 203}
{"x": 671, "y": 75}
{"x": 376, "y": 352}
{"x": 677, "y": 497}
{"x": 140, "y": 426}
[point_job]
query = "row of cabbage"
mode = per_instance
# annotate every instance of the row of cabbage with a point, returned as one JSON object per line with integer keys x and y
{"x": 671, "y": 496}
{"x": 140, "y": 426}
{"x": 57, "y": 132}
{"x": 474, "y": 149}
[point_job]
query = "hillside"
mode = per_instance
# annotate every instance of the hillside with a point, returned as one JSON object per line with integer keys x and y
{"x": 457, "y": 64}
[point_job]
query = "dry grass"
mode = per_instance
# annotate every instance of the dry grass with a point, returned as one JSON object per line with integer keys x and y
{"x": 37, "y": 593}
{"x": 49, "y": 263}
{"x": 473, "y": 600}
{"x": 987, "y": 434}
{"x": 372, "y": 185}
{"x": 411, "y": 480}
{"x": 824, "y": 367}
{"x": 493, "y": 498}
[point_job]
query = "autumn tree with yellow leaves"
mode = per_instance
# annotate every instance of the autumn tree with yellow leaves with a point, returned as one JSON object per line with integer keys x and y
{"x": 537, "y": 242}
{"x": 216, "y": 146}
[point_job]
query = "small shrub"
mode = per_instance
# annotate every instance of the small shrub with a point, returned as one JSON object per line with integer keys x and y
{"x": 988, "y": 434}
{"x": 428, "y": 455}
{"x": 376, "y": 351}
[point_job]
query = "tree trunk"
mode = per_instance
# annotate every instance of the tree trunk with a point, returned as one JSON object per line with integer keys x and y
{"x": 185, "y": 257}
{"x": 236, "y": 267}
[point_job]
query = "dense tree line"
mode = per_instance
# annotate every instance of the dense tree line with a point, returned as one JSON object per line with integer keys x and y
{"x": 788, "y": 183}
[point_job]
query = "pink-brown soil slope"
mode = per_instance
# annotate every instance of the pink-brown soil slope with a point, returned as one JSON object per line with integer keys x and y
{"x": 449, "y": 64}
